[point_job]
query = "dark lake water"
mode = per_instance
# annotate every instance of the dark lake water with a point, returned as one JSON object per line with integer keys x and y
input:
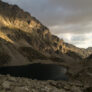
{"x": 37, "y": 71}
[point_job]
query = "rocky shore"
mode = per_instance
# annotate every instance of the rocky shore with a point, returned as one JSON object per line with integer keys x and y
{"x": 17, "y": 84}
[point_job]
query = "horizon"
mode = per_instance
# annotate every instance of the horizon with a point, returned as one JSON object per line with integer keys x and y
{"x": 70, "y": 20}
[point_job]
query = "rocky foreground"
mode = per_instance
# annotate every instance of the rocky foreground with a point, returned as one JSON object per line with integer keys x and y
{"x": 12, "y": 84}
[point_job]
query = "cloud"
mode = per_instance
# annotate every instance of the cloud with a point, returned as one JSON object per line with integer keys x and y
{"x": 80, "y": 40}
{"x": 71, "y": 17}
{"x": 80, "y": 28}
{"x": 53, "y": 12}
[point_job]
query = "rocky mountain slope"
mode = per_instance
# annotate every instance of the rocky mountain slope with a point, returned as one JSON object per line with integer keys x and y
{"x": 24, "y": 39}
{"x": 23, "y": 33}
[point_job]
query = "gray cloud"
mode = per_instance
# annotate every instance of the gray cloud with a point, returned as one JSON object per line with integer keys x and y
{"x": 58, "y": 12}
{"x": 61, "y": 16}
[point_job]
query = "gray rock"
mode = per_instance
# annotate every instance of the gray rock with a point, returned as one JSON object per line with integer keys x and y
{"x": 21, "y": 89}
{"x": 75, "y": 89}
{"x": 6, "y": 85}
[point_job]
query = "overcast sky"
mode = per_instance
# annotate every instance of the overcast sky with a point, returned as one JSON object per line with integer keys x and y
{"x": 68, "y": 19}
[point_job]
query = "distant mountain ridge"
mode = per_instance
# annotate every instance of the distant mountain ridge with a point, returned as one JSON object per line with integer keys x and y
{"x": 84, "y": 53}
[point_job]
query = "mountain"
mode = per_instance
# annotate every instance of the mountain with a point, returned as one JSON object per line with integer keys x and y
{"x": 25, "y": 40}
